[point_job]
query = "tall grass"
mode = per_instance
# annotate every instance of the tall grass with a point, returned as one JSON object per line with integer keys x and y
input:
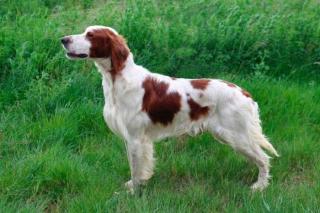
{"x": 57, "y": 154}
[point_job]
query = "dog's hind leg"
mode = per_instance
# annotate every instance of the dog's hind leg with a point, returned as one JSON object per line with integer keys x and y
{"x": 242, "y": 144}
{"x": 237, "y": 123}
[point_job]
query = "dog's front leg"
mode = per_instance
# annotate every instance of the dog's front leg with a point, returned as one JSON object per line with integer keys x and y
{"x": 135, "y": 157}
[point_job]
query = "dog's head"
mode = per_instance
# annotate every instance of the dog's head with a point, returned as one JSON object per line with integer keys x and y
{"x": 97, "y": 42}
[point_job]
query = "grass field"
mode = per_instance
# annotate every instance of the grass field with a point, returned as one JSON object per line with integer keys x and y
{"x": 56, "y": 153}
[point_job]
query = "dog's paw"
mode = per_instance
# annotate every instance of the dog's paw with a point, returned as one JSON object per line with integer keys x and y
{"x": 259, "y": 186}
{"x": 129, "y": 186}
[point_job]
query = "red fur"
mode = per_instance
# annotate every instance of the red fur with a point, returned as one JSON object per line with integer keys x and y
{"x": 105, "y": 43}
{"x": 246, "y": 93}
{"x": 201, "y": 84}
{"x": 196, "y": 110}
{"x": 160, "y": 106}
{"x": 230, "y": 84}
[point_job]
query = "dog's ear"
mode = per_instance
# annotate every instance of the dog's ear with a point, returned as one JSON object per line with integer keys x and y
{"x": 119, "y": 52}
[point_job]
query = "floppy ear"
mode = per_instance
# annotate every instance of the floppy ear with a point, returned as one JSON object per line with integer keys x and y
{"x": 119, "y": 53}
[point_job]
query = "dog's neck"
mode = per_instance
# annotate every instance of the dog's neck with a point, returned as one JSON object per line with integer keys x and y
{"x": 110, "y": 83}
{"x": 104, "y": 66}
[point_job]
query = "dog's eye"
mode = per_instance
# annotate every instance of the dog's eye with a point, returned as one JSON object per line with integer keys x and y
{"x": 89, "y": 34}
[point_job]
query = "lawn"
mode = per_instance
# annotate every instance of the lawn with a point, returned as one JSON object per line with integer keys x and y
{"x": 56, "y": 153}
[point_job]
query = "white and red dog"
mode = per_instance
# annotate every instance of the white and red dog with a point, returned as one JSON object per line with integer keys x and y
{"x": 143, "y": 107}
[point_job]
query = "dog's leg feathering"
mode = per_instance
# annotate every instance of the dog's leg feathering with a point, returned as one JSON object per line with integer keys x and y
{"x": 140, "y": 156}
{"x": 147, "y": 161}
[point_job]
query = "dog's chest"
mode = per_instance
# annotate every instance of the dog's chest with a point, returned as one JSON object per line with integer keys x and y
{"x": 110, "y": 116}
{"x": 112, "y": 109}
{"x": 122, "y": 106}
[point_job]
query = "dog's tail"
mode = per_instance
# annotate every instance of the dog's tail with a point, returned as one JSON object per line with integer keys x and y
{"x": 264, "y": 143}
{"x": 256, "y": 135}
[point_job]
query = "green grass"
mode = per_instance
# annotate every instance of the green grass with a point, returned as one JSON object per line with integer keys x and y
{"x": 56, "y": 153}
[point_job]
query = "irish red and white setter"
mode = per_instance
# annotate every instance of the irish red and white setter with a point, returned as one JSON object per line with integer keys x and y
{"x": 143, "y": 107}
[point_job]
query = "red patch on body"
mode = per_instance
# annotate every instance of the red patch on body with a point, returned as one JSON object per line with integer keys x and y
{"x": 196, "y": 110}
{"x": 160, "y": 106}
{"x": 104, "y": 44}
{"x": 229, "y": 84}
{"x": 200, "y": 83}
{"x": 246, "y": 93}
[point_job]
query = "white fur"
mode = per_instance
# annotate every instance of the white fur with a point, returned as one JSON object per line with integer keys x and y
{"x": 233, "y": 118}
{"x": 79, "y": 44}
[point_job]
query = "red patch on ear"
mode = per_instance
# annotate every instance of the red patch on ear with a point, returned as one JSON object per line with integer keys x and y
{"x": 230, "y": 84}
{"x": 100, "y": 43}
{"x": 104, "y": 44}
{"x": 160, "y": 106}
{"x": 200, "y": 83}
{"x": 246, "y": 93}
{"x": 196, "y": 110}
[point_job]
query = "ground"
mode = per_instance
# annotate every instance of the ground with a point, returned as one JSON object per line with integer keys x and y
{"x": 56, "y": 153}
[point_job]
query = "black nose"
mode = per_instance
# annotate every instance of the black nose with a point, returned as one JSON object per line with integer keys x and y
{"x": 65, "y": 40}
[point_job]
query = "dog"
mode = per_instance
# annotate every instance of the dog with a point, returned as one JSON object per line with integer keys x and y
{"x": 142, "y": 107}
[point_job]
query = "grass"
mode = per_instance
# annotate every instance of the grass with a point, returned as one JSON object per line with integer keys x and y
{"x": 56, "y": 153}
